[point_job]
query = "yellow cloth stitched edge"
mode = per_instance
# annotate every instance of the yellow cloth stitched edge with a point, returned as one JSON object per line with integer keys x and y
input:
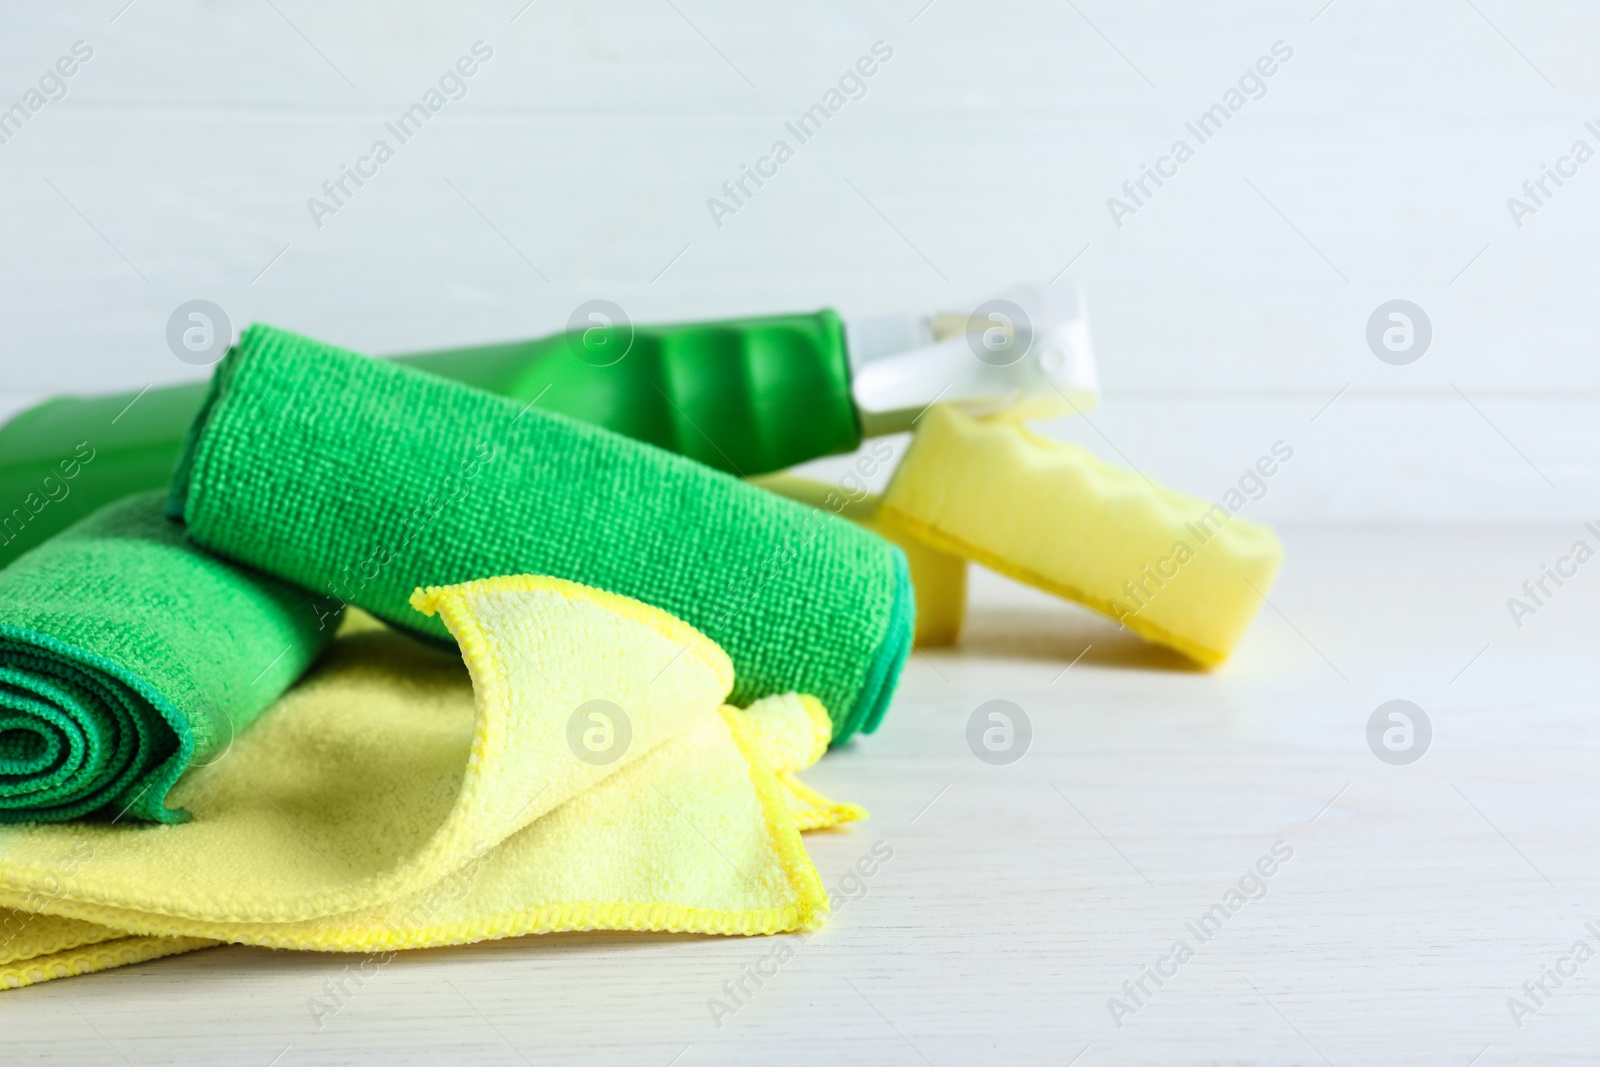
{"x": 819, "y": 813}
{"x": 29, "y": 934}
{"x": 445, "y": 601}
{"x": 102, "y": 956}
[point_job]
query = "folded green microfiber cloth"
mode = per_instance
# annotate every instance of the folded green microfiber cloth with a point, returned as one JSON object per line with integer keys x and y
{"x": 128, "y": 655}
{"x": 362, "y": 480}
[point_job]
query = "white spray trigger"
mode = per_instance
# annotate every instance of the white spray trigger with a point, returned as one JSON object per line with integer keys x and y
{"x": 1024, "y": 353}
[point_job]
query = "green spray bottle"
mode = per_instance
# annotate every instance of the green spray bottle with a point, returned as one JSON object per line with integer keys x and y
{"x": 747, "y": 396}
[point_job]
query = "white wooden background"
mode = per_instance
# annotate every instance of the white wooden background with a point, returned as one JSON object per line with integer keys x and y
{"x": 1228, "y": 313}
{"x": 580, "y": 162}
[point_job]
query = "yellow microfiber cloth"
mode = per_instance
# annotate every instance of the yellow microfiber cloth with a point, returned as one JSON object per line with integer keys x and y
{"x": 579, "y": 771}
{"x": 1170, "y": 567}
{"x": 938, "y": 578}
{"x": 792, "y": 732}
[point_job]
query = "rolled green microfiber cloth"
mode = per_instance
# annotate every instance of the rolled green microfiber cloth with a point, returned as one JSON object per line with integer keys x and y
{"x": 362, "y": 480}
{"x": 126, "y": 656}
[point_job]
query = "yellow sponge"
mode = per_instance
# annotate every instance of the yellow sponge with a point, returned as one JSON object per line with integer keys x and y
{"x": 1169, "y": 567}
{"x": 938, "y": 578}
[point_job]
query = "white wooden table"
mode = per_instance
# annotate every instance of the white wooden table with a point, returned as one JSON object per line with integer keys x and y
{"x": 1020, "y": 898}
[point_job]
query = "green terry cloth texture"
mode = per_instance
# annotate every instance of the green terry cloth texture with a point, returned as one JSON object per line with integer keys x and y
{"x": 362, "y": 481}
{"x": 128, "y": 655}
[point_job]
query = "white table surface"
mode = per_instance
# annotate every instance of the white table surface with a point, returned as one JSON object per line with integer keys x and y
{"x": 1019, "y": 898}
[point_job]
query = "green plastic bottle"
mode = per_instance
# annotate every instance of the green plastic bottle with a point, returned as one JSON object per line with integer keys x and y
{"x": 747, "y": 396}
